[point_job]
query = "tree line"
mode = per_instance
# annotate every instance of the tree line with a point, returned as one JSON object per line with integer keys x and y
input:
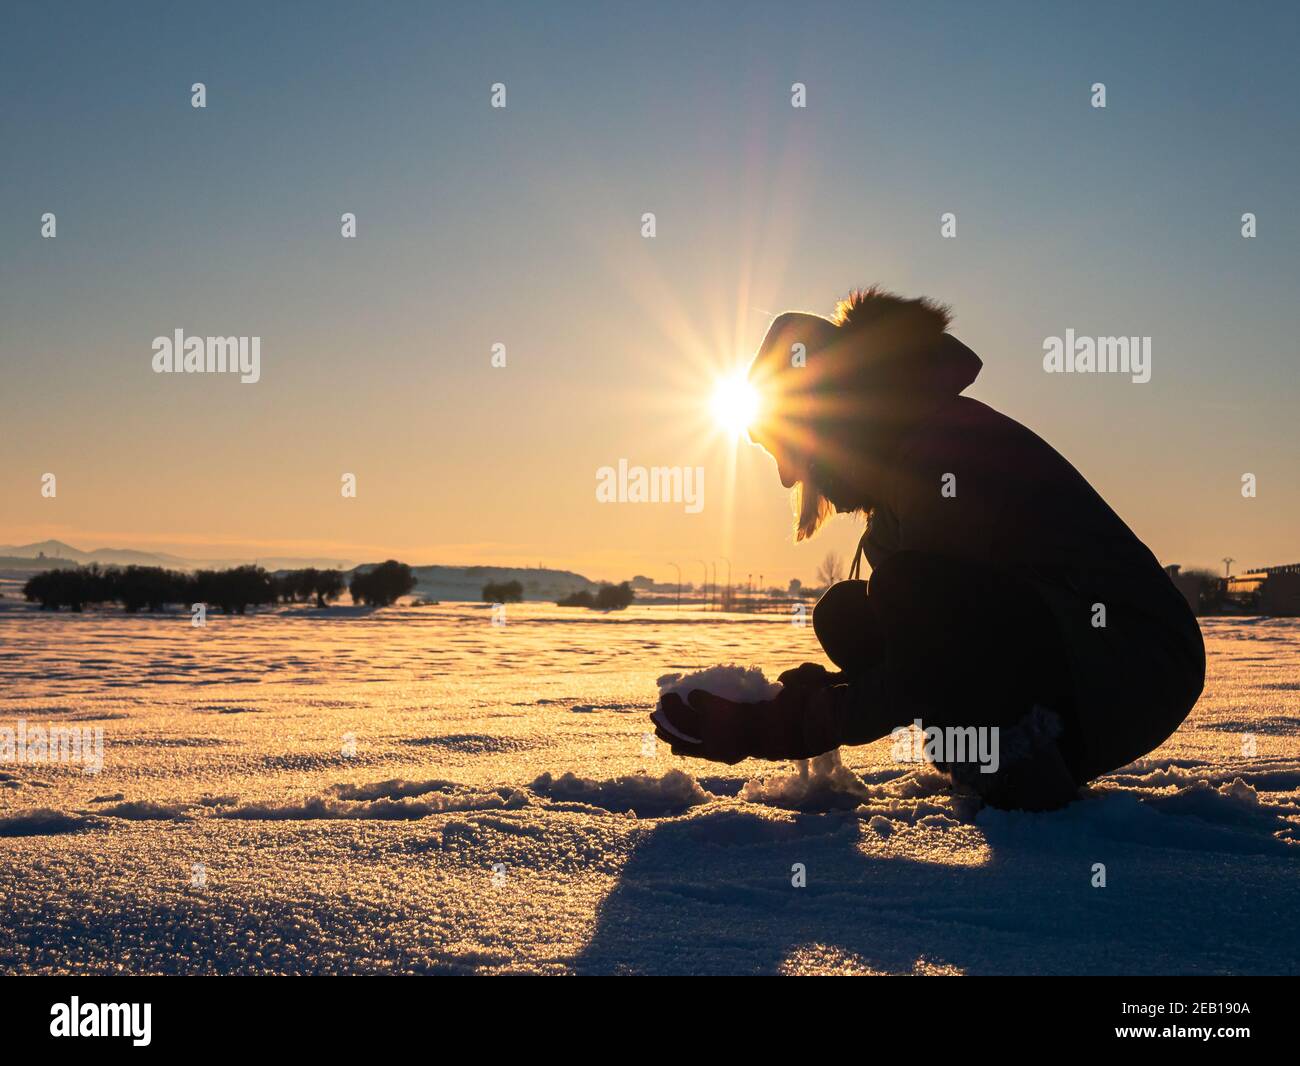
{"x": 503, "y": 592}
{"x": 233, "y": 591}
{"x": 606, "y": 598}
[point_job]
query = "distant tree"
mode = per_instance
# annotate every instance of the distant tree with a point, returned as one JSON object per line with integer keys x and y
{"x": 147, "y": 587}
{"x": 1210, "y": 588}
{"x": 831, "y": 570}
{"x": 614, "y": 597}
{"x": 235, "y": 590}
{"x": 327, "y": 585}
{"x": 606, "y": 598}
{"x": 796, "y": 587}
{"x": 40, "y": 589}
{"x": 74, "y": 587}
{"x": 249, "y": 586}
{"x": 304, "y": 585}
{"x": 382, "y": 586}
{"x": 301, "y": 586}
{"x": 505, "y": 592}
{"x": 151, "y": 588}
{"x": 208, "y": 588}
{"x": 294, "y": 586}
{"x": 52, "y": 590}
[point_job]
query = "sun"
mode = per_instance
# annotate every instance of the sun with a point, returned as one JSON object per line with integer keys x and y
{"x": 734, "y": 403}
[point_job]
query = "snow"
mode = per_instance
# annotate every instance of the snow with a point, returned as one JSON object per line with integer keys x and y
{"x": 815, "y": 784}
{"x": 418, "y": 790}
{"x": 629, "y": 794}
{"x": 740, "y": 683}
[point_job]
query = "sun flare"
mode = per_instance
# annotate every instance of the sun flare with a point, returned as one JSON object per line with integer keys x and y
{"x": 734, "y": 403}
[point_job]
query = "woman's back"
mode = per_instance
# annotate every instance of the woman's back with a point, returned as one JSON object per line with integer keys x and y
{"x": 969, "y": 483}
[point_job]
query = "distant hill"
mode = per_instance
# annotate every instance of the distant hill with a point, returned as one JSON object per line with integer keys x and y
{"x": 54, "y": 549}
{"x": 46, "y": 554}
{"x": 450, "y": 583}
{"x": 466, "y": 582}
{"x": 26, "y": 564}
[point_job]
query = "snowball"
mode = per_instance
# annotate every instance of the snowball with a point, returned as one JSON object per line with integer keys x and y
{"x": 741, "y": 684}
{"x": 821, "y": 783}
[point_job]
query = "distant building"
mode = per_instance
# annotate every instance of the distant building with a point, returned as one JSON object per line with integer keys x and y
{"x": 1272, "y": 590}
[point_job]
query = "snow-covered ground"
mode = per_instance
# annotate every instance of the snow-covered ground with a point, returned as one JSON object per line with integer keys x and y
{"x": 420, "y": 790}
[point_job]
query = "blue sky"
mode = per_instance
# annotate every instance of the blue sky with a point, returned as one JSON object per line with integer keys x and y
{"x": 522, "y": 226}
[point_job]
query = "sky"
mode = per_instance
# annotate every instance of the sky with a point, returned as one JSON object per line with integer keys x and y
{"x": 522, "y": 226}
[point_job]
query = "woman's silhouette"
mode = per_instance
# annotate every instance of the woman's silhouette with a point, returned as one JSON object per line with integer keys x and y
{"x": 1004, "y": 592}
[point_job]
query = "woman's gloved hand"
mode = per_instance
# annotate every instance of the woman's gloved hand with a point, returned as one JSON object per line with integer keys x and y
{"x": 705, "y": 726}
{"x": 809, "y": 675}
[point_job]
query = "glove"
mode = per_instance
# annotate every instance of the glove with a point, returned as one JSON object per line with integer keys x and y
{"x": 705, "y": 726}
{"x": 809, "y": 675}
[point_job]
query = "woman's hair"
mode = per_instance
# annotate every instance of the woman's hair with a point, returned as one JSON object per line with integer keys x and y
{"x": 880, "y": 345}
{"x": 811, "y": 509}
{"x": 862, "y": 309}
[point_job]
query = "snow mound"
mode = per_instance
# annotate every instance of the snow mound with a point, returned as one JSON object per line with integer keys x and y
{"x": 40, "y": 821}
{"x": 635, "y": 793}
{"x": 1241, "y": 792}
{"x": 819, "y": 784}
{"x": 1235, "y": 804}
{"x": 393, "y": 788}
{"x": 323, "y": 807}
{"x": 146, "y": 811}
{"x": 1200, "y": 817}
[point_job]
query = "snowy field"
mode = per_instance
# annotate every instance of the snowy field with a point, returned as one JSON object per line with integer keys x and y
{"x": 418, "y": 790}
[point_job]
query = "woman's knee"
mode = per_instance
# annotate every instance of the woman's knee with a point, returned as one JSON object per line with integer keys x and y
{"x": 844, "y": 602}
{"x": 841, "y": 620}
